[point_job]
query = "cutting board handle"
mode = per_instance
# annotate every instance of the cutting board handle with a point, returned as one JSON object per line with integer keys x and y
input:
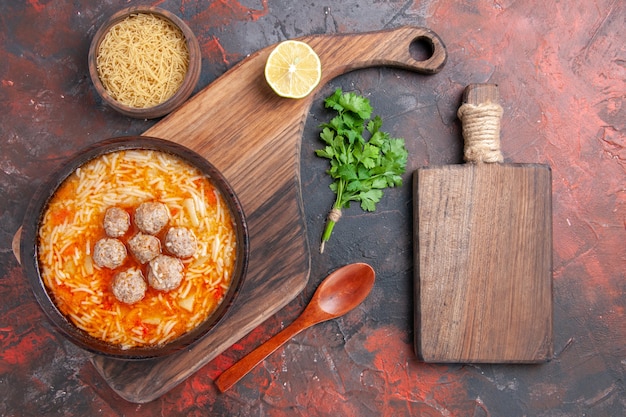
{"x": 480, "y": 116}
{"x": 403, "y": 47}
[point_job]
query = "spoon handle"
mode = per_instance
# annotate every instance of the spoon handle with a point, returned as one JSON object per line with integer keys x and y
{"x": 233, "y": 374}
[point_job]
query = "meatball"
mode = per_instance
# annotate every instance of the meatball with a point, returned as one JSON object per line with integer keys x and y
{"x": 151, "y": 217}
{"x": 144, "y": 247}
{"x": 180, "y": 242}
{"x": 116, "y": 222}
{"x": 165, "y": 273}
{"x": 129, "y": 286}
{"x": 109, "y": 253}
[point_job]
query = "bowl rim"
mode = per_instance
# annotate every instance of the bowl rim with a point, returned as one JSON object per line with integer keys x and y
{"x": 189, "y": 82}
{"x": 29, "y": 247}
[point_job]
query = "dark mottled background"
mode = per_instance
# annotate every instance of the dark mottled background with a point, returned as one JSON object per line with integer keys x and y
{"x": 561, "y": 68}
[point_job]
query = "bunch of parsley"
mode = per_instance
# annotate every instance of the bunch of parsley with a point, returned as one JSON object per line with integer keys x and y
{"x": 364, "y": 160}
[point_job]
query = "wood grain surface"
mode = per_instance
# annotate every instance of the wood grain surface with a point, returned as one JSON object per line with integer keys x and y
{"x": 253, "y": 137}
{"x": 483, "y": 261}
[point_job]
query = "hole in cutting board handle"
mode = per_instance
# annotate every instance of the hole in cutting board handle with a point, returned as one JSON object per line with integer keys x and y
{"x": 422, "y": 48}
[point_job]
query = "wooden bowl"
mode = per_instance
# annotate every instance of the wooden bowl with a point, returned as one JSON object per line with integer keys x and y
{"x": 28, "y": 248}
{"x": 183, "y": 92}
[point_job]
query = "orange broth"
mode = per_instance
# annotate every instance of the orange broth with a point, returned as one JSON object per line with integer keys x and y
{"x": 73, "y": 223}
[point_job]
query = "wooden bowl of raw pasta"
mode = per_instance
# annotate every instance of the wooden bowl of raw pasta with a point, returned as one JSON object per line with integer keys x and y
{"x": 144, "y": 62}
{"x": 111, "y": 296}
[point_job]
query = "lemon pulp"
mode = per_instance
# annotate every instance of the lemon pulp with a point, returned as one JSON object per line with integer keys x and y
{"x": 293, "y": 69}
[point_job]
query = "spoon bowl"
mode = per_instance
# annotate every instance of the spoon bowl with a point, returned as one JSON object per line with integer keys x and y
{"x": 339, "y": 293}
{"x": 344, "y": 289}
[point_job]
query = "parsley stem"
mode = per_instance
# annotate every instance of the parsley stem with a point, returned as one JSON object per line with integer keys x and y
{"x": 334, "y": 215}
{"x": 327, "y": 232}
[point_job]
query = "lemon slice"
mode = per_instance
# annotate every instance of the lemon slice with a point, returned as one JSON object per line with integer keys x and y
{"x": 293, "y": 69}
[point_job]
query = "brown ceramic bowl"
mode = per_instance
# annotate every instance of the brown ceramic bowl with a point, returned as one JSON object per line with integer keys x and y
{"x": 31, "y": 267}
{"x": 183, "y": 92}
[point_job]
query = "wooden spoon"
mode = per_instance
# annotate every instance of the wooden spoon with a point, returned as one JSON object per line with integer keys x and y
{"x": 339, "y": 293}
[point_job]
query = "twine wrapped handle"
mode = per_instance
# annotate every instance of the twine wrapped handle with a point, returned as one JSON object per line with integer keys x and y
{"x": 480, "y": 116}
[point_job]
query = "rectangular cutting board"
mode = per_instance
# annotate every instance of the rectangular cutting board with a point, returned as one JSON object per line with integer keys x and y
{"x": 483, "y": 240}
{"x": 485, "y": 252}
{"x": 253, "y": 137}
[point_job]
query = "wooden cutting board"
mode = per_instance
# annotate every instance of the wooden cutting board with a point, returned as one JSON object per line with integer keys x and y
{"x": 253, "y": 136}
{"x": 483, "y": 236}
